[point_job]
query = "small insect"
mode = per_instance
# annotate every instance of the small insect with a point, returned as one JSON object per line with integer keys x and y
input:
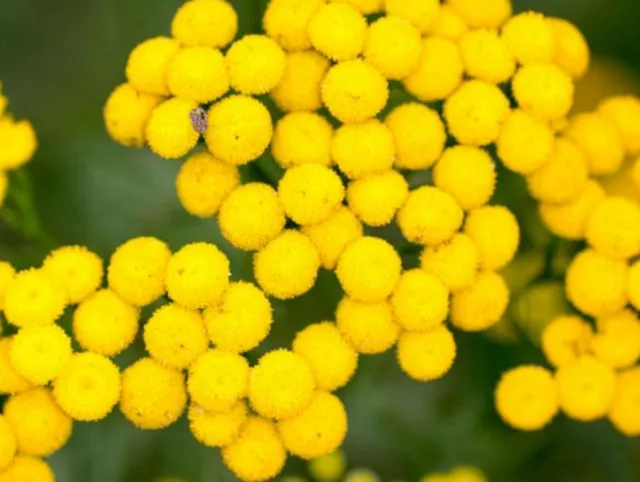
{"x": 198, "y": 120}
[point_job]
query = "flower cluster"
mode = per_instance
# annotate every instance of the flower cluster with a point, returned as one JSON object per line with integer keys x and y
{"x": 17, "y": 144}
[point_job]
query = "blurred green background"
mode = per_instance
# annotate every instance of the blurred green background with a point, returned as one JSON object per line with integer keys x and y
{"x": 59, "y": 60}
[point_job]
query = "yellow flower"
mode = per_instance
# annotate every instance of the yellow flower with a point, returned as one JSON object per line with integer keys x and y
{"x": 369, "y": 327}
{"x": 137, "y": 270}
{"x": 426, "y": 356}
{"x": 39, "y": 425}
{"x": 287, "y": 267}
{"x": 527, "y": 397}
{"x": 281, "y": 386}
{"x": 170, "y": 133}
{"x": 40, "y": 353}
{"x": 455, "y": 262}
{"x": 127, "y": 113}
{"x": 89, "y": 387}
{"x": 153, "y": 396}
{"x": 10, "y": 380}
{"x": 624, "y": 112}
{"x": 369, "y": 269}
{"x": 482, "y": 224}
{"x": 197, "y": 275}
{"x": 319, "y": 430}
{"x": 207, "y": 23}
{"x": 422, "y": 14}
{"x": 26, "y": 468}
{"x": 375, "y": 199}
{"x": 78, "y": 270}
{"x": 242, "y": 320}
{"x": 147, "y": 65}
{"x": 198, "y": 74}
{"x": 625, "y": 411}
{"x": 338, "y": 31}
{"x": 448, "y": 24}
{"x": 566, "y": 338}
{"x": 175, "y": 336}
{"x": 256, "y": 64}
{"x": 310, "y": 193}
{"x": 393, "y": 46}
{"x": 258, "y": 453}
{"x": 7, "y": 273}
{"x": 287, "y": 22}
{"x": 32, "y": 298}
{"x": 354, "y": 91}
{"x": 302, "y": 138}
{"x": 530, "y": 38}
{"x": 420, "y": 301}
{"x": 617, "y": 342}
{"x": 328, "y": 468}
{"x": 239, "y": 129}
{"x": 489, "y": 13}
{"x": 613, "y": 227}
{"x": 633, "y": 284}
{"x": 8, "y": 445}
{"x": 332, "y": 359}
{"x": 543, "y": 90}
{"x": 482, "y": 304}
{"x": 586, "y": 388}
{"x": 486, "y": 56}
{"x": 218, "y": 380}
{"x": 18, "y": 143}
{"x": 572, "y": 51}
{"x": 430, "y": 216}
{"x": 204, "y": 182}
{"x": 299, "y": 87}
{"x": 217, "y": 429}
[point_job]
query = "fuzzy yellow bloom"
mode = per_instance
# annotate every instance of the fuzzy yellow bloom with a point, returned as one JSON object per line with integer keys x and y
{"x": 455, "y": 262}
{"x": 197, "y": 275}
{"x": 625, "y": 411}
{"x": 487, "y": 56}
{"x": 203, "y": 182}
{"x": 40, "y": 353}
{"x": 239, "y": 129}
{"x": 89, "y": 388}
{"x": 530, "y": 37}
{"x": 448, "y": 24}
{"x": 426, "y": 356}
{"x": 369, "y": 269}
{"x": 367, "y": 7}
{"x": 467, "y": 174}
{"x": 8, "y": 445}
{"x": 302, "y": 138}
{"x": 601, "y": 141}
{"x": 331, "y": 236}
{"x": 422, "y": 14}
{"x": 251, "y": 216}
{"x": 596, "y": 284}
{"x": 633, "y": 284}
{"x": 369, "y": 327}
{"x": 482, "y": 224}
{"x": 7, "y": 273}
{"x": 420, "y": 301}
{"x": 332, "y": 360}
{"x": 544, "y": 90}
{"x": 572, "y": 51}
{"x": 430, "y": 216}
{"x": 338, "y": 30}
{"x": 258, "y": 453}
{"x": 489, "y": 13}
{"x": 198, "y": 74}
{"x": 563, "y": 177}
{"x": 617, "y": 342}
{"x": 256, "y": 64}
{"x": 169, "y": 132}
{"x": 27, "y": 469}
{"x": 218, "y": 380}
{"x": 586, "y": 388}
{"x": 39, "y": 425}
{"x": 328, "y": 468}
{"x": 17, "y": 143}
{"x": 527, "y": 397}
{"x": 207, "y": 23}
{"x": 482, "y": 304}
{"x": 147, "y": 66}
{"x": 439, "y": 71}
{"x": 10, "y": 380}
{"x": 613, "y": 227}
{"x": 299, "y": 87}
{"x": 126, "y": 114}
{"x": 78, "y": 270}
{"x": 287, "y": 267}
{"x": 319, "y": 430}
{"x": 566, "y": 338}
{"x": 624, "y": 112}
{"x": 363, "y": 149}
{"x": 310, "y": 193}
{"x": 354, "y": 91}
{"x": 175, "y": 336}
{"x": 242, "y": 320}
{"x": 153, "y": 396}
{"x": 419, "y": 135}
{"x": 375, "y": 199}
{"x": 523, "y": 129}
{"x": 467, "y": 474}
{"x": 475, "y": 113}
{"x": 33, "y": 297}
{"x": 281, "y": 385}
{"x": 569, "y": 220}
{"x": 137, "y": 270}
{"x": 217, "y": 429}
{"x": 393, "y": 46}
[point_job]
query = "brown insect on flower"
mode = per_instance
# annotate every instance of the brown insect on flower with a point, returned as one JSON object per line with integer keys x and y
{"x": 198, "y": 119}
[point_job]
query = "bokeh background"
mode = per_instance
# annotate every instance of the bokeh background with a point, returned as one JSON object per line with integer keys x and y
{"x": 59, "y": 61}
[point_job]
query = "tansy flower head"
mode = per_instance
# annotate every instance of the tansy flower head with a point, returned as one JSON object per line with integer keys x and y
{"x": 624, "y": 413}
{"x": 328, "y": 468}
{"x": 455, "y": 262}
{"x": 375, "y": 199}
{"x": 27, "y": 468}
{"x": 544, "y": 90}
{"x": 624, "y": 112}
{"x": 256, "y": 64}
{"x": 215, "y": 429}
{"x": 617, "y": 341}
{"x": 10, "y": 380}
{"x": 530, "y": 38}
{"x": 147, "y": 65}
{"x": 302, "y": 138}
{"x": 490, "y": 13}
{"x": 426, "y": 356}
{"x": 482, "y": 224}
{"x": 448, "y": 24}
{"x": 287, "y": 22}
{"x": 368, "y": 327}
{"x": 487, "y": 56}
{"x": 198, "y": 74}
{"x": 8, "y": 444}
{"x": 613, "y": 227}
{"x": 170, "y": 133}
{"x": 422, "y": 14}
{"x": 18, "y": 141}
{"x": 77, "y": 269}
{"x": 338, "y": 30}
{"x": 482, "y": 304}
{"x": 207, "y": 23}
{"x": 127, "y": 113}
{"x": 566, "y": 338}
{"x": 572, "y": 51}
